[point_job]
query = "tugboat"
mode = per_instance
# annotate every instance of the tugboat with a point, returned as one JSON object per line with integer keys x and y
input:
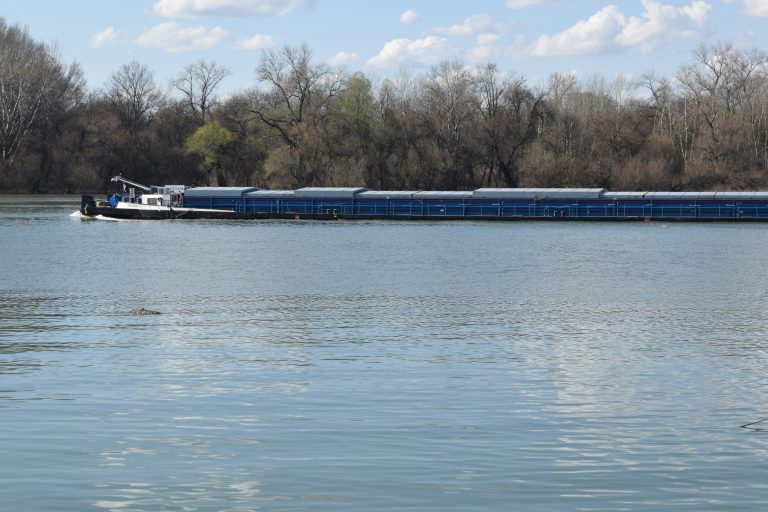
{"x": 154, "y": 203}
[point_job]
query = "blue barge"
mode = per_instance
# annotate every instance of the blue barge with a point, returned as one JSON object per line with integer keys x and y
{"x": 176, "y": 201}
{"x": 492, "y": 204}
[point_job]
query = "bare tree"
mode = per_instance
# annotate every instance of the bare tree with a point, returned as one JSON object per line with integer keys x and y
{"x": 31, "y": 80}
{"x": 564, "y": 134}
{"x": 510, "y": 114}
{"x": 197, "y": 82}
{"x": 704, "y": 81}
{"x": 394, "y": 133}
{"x": 559, "y": 86}
{"x": 132, "y": 92}
{"x": 447, "y": 113}
{"x": 669, "y": 111}
{"x": 722, "y": 83}
{"x": 296, "y": 105}
{"x": 297, "y": 88}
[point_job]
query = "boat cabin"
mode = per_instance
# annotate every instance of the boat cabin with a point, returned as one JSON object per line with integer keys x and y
{"x": 169, "y": 195}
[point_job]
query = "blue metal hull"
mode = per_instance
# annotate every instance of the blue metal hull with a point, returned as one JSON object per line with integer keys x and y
{"x": 487, "y": 209}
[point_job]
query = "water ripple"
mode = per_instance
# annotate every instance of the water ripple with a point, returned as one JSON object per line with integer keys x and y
{"x": 380, "y": 366}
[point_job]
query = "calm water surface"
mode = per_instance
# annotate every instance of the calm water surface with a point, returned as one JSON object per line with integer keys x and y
{"x": 304, "y": 366}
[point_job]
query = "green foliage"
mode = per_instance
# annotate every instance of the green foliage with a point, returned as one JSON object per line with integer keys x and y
{"x": 212, "y": 142}
{"x": 356, "y": 104}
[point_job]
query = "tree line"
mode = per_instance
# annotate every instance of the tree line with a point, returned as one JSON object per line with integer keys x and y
{"x": 452, "y": 128}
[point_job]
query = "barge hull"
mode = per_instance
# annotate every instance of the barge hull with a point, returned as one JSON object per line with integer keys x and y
{"x": 171, "y": 214}
{"x": 255, "y": 205}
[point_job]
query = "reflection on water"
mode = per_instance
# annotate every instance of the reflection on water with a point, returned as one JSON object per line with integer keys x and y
{"x": 371, "y": 366}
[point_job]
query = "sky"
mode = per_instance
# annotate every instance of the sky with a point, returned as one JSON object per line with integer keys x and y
{"x": 381, "y": 38}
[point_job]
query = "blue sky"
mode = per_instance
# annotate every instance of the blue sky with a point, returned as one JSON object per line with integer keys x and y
{"x": 533, "y": 38}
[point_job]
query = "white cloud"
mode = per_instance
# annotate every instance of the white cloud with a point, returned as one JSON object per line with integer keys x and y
{"x": 660, "y": 22}
{"x": 486, "y": 38}
{"x": 519, "y": 4}
{"x": 409, "y": 17}
{"x": 467, "y": 27}
{"x": 697, "y": 11}
{"x": 175, "y": 39}
{"x": 257, "y": 42}
{"x": 342, "y": 58}
{"x": 234, "y": 8}
{"x": 429, "y": 50}
{"x": 663, "y": 22}
{"x": 107, "y": 36}
{"x": 756, "y": 7}
{"x": 591, "y": 36}
{"x": 609, "y": 29}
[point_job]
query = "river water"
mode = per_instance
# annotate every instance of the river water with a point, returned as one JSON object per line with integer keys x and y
{"x": 305, "y": 366}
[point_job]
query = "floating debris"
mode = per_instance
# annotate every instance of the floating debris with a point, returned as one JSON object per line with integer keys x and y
{"x": 142, "y": 311}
